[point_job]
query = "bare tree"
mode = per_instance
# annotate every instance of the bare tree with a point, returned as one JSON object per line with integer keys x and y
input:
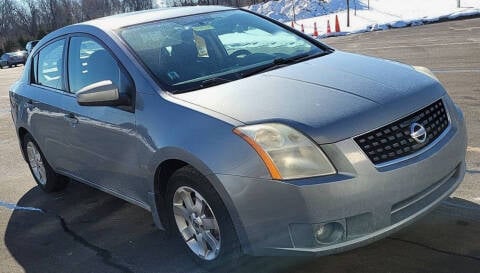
{"x": 7, "y": 25}
{"x": 135, "y": 5}
{"x": 23, "y": 20}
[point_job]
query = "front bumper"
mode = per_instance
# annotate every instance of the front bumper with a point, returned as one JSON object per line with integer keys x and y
{"x": 278, "y": 218}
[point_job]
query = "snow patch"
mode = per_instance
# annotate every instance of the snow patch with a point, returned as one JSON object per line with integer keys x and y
{"x": 380, "y": 15}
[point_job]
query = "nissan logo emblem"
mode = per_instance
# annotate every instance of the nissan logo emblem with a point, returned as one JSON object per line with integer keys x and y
{"x": 418, "y": 132}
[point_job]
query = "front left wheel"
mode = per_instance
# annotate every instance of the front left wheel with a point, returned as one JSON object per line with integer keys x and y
{"x": 44, "y": 175}
{"x": 201, "y": 221}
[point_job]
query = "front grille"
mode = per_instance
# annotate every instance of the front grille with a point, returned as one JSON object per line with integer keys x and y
{"x": 393, "y": 141}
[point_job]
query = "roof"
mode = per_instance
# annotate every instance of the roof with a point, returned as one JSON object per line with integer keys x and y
{"x": 139, "y": 17}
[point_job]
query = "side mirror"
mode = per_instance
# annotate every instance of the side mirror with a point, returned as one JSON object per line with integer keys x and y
{"x": 103, "y": 93}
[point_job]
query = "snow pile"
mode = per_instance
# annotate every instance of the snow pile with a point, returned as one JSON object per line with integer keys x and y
{"x": 282, "y": 10}
{"x": 381, "y": 14}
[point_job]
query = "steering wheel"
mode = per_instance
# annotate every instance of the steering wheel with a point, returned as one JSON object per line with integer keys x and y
{"x": 240, "y": 52}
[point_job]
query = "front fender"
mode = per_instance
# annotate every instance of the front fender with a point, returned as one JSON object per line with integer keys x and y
{"x": 159, "y": 211}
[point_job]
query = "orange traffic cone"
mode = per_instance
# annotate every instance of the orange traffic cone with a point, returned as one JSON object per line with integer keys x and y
{"x": 337, "y": 24}
{"x": 315, "y": 31}
{"x": 293, "y": 26}
{"x": 303, "y": 30}
{"x": 328, "y": 27}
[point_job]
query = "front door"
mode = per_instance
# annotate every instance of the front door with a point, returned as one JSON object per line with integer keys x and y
{"x": 103, "y": 138}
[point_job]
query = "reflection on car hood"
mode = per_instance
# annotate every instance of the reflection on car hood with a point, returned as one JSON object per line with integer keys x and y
{"x": 329, "y": 98}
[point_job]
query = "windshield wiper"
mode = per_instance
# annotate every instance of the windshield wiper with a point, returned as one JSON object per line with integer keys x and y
{"x": 213, "y": 81}
{"x": 202, "y": 84}
{"x": 281, "y": 62}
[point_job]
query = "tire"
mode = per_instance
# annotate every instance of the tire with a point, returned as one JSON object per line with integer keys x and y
{"x": 46, "y": 178}
{"x": 229, "y": 254}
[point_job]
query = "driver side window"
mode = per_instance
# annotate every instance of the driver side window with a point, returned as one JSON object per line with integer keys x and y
{"x": 89, "y": 62}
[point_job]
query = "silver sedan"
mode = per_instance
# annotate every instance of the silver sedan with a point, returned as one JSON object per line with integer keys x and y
{"x": 239, "y": 134}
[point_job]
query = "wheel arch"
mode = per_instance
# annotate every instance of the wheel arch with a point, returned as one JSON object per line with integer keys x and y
{"x": 163, "y": 171}
{"x": 21, "y": 132}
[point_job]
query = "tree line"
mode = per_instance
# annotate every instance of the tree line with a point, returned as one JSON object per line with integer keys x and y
{"x": 25, "y": 20}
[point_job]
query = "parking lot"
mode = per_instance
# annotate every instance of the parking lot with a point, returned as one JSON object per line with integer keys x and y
{"x": 85, "y": 230}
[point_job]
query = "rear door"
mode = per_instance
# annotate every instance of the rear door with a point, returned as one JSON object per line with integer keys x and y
{"x": 42, "y": 99}
{"x": 103, "y": 138}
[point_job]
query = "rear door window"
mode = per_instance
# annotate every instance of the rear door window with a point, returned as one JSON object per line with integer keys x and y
{"x": 50, "y": 65}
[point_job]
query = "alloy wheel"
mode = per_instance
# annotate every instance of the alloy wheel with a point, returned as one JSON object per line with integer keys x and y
{"x": 197, "y": 223}
{"x": 36, "y": 163}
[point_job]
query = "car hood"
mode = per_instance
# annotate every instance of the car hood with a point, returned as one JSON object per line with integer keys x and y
{"x": 330, "y": 98}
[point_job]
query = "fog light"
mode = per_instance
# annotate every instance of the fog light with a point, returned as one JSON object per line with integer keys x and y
{"x": 328, "y": 233}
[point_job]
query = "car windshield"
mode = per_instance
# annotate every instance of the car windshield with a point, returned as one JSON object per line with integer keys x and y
{"x": 198, "y": 51}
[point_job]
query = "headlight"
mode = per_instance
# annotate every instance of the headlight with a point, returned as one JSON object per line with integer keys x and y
{"x": 287, "y": 153}
{"x": 425, "y": 71}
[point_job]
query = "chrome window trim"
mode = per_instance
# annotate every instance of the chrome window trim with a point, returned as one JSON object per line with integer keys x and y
{"x": 51, "y": 89}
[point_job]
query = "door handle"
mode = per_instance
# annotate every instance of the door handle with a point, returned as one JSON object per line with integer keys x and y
{"x": 71, "y": 119}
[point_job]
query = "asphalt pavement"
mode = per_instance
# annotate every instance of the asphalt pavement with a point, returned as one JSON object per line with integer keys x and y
{"x": 86, "y": 230}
